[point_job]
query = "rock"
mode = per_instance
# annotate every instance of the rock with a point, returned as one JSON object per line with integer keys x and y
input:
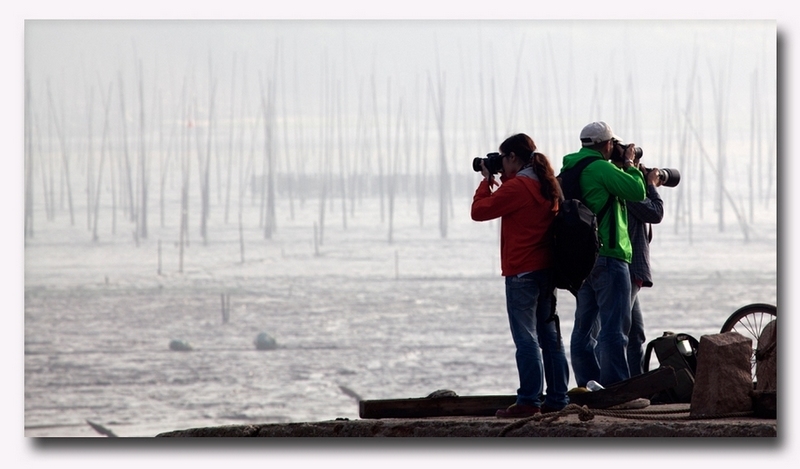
{"x": 263, "y": 341}
{"x": 179, "y": 345}
{"x": 767, "y": 358}
{"x": 723, "y": 380}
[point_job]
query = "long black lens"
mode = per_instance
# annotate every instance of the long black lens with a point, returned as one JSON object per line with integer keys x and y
{"x": 670, "y": 177}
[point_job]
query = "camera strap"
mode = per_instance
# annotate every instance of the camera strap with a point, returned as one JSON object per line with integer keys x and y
{"x": 612, "y": 230}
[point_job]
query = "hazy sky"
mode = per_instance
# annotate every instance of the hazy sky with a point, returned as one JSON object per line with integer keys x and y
{"x": 517, "y": 72}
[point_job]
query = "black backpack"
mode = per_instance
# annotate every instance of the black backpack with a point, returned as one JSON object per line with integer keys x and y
{"x": 574, "y": 231}
{"x": 678, "y": 351}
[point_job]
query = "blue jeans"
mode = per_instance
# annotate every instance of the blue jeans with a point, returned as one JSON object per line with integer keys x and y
{"x": 531, "y": 301}
{"x": 636, "y": 336}
{"x": 604, "y": 296}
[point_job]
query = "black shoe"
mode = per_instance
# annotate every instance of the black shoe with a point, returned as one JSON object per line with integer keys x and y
{"x": 546, "y": 409}
{"x": 517, "y": 411}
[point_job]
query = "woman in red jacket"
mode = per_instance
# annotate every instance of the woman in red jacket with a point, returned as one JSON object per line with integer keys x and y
{"x": 526, "y": 203}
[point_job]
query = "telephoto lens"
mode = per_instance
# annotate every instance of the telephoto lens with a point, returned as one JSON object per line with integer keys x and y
{"x": 670, "y": 177}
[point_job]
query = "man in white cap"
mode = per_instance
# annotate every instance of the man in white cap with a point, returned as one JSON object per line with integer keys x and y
{"x": 606, "y": 292}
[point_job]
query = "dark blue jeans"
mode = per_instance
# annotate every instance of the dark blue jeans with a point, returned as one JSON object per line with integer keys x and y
{"x": 636, "y": 336}
{"x": 530, "y": 301}
{"x": 604, "y": 296}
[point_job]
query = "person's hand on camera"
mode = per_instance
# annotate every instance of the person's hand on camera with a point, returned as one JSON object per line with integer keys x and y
{"x": 653, "y": 177}
{"x": 489, "y": 177}
{"x": 629, "y": 155}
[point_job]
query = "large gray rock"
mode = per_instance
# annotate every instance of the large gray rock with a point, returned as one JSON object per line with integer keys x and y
{"x": 767, "y": 358}
{"x": 723, "y": 381}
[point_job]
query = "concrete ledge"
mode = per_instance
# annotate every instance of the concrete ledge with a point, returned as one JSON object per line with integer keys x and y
{"x": 564, "y": 426}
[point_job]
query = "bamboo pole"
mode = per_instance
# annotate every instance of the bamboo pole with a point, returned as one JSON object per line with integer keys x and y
{"x": 28, "y": 161}
{"x": 394, "y": 163}
{"x": 64, "y": 154}
{"x": 378, "y": 156}
{"x": 268, "y": 186}
{"x": 42, "y": 165}
{"x": 342, "y": 160}
{"x": 230, "y": 140}
{"x": 323, "y": 142}
{"x": 142, "y": 159}
{"x": 422, "y": 162}
{"x": 106, "y": 100}
{"x": 288, "y": 157}
{"x": 52, "y": 162}
{"x": 204, "y": 162}
{"x": 514, "y": 103}
{"x": 128, "y": 170}
{"x": 444, "y": 189}
{"x": 89, "y": 158}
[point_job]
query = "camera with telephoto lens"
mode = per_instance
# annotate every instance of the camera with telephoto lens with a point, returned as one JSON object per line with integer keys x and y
{"x": 493, "y": 163}
{"x": 669, "y": 177}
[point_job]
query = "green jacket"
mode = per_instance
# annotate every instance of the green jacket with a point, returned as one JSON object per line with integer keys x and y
{"x": 599, "y": 180}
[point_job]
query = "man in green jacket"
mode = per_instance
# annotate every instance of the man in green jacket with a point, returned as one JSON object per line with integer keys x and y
{"x": 606, "y": 293}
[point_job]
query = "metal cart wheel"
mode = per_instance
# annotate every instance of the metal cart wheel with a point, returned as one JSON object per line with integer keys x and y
{"x": 750, "y": 321}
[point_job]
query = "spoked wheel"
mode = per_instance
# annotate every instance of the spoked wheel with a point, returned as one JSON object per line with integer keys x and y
{"x": 750, "y": 321}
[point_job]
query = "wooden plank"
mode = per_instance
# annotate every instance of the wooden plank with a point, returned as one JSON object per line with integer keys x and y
{"x": 434, "y": 407}
{"x": 644, "y": 385}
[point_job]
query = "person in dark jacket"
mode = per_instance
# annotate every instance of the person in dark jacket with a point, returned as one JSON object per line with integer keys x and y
{"x": 640, "y": 216}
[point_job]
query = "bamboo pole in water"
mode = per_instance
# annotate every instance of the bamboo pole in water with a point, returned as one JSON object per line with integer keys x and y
{"x": 106, "y": 100}
{"x": 342, "y": 160}
{"x": 128, "y": 170}
{"x": 42, "y": 164}
{"x": 324, "y": 144}
{"x": 268, "y": 190}
{"x": 291, "y": 175}
{"x": 230, "y": 140}
{"x": 720, "y": 111}
{"x": 422, "y": 161}
{"x": 755, "y": 145}
{"x": 143, "y": 168}
{"x": 186, "y": 163}
{"x": 64, "y": 153}
{"x": 378, "y": 155}
{"x": 360, "y": 152}
{"x": 165, "y": 159}
{"x": 28, "y": 161}
{"x": 204, "y": 161}
{"x": 50, "y": 183}
{"x": 515, "y": 90}
{"x": 394, "y": 163}
{"x": 89, "y": 157}
{"x": 438, "y": 103}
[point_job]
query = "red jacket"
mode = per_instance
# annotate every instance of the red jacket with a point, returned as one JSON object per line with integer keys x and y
{"x": 525, "y": 220}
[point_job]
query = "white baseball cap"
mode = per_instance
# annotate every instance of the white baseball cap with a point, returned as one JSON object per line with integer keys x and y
{"x": 597, "y": 132}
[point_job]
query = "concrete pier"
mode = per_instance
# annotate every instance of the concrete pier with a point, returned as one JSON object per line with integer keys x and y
{"x": 654, "y": 421}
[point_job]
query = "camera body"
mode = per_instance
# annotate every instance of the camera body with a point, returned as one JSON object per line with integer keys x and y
{"x": 669, "y": 177}
{"x": 618, "y": 153}
{"x": 493, "y": 163}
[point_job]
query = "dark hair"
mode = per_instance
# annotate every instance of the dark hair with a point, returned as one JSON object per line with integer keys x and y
{"x": 525, "y": 149}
